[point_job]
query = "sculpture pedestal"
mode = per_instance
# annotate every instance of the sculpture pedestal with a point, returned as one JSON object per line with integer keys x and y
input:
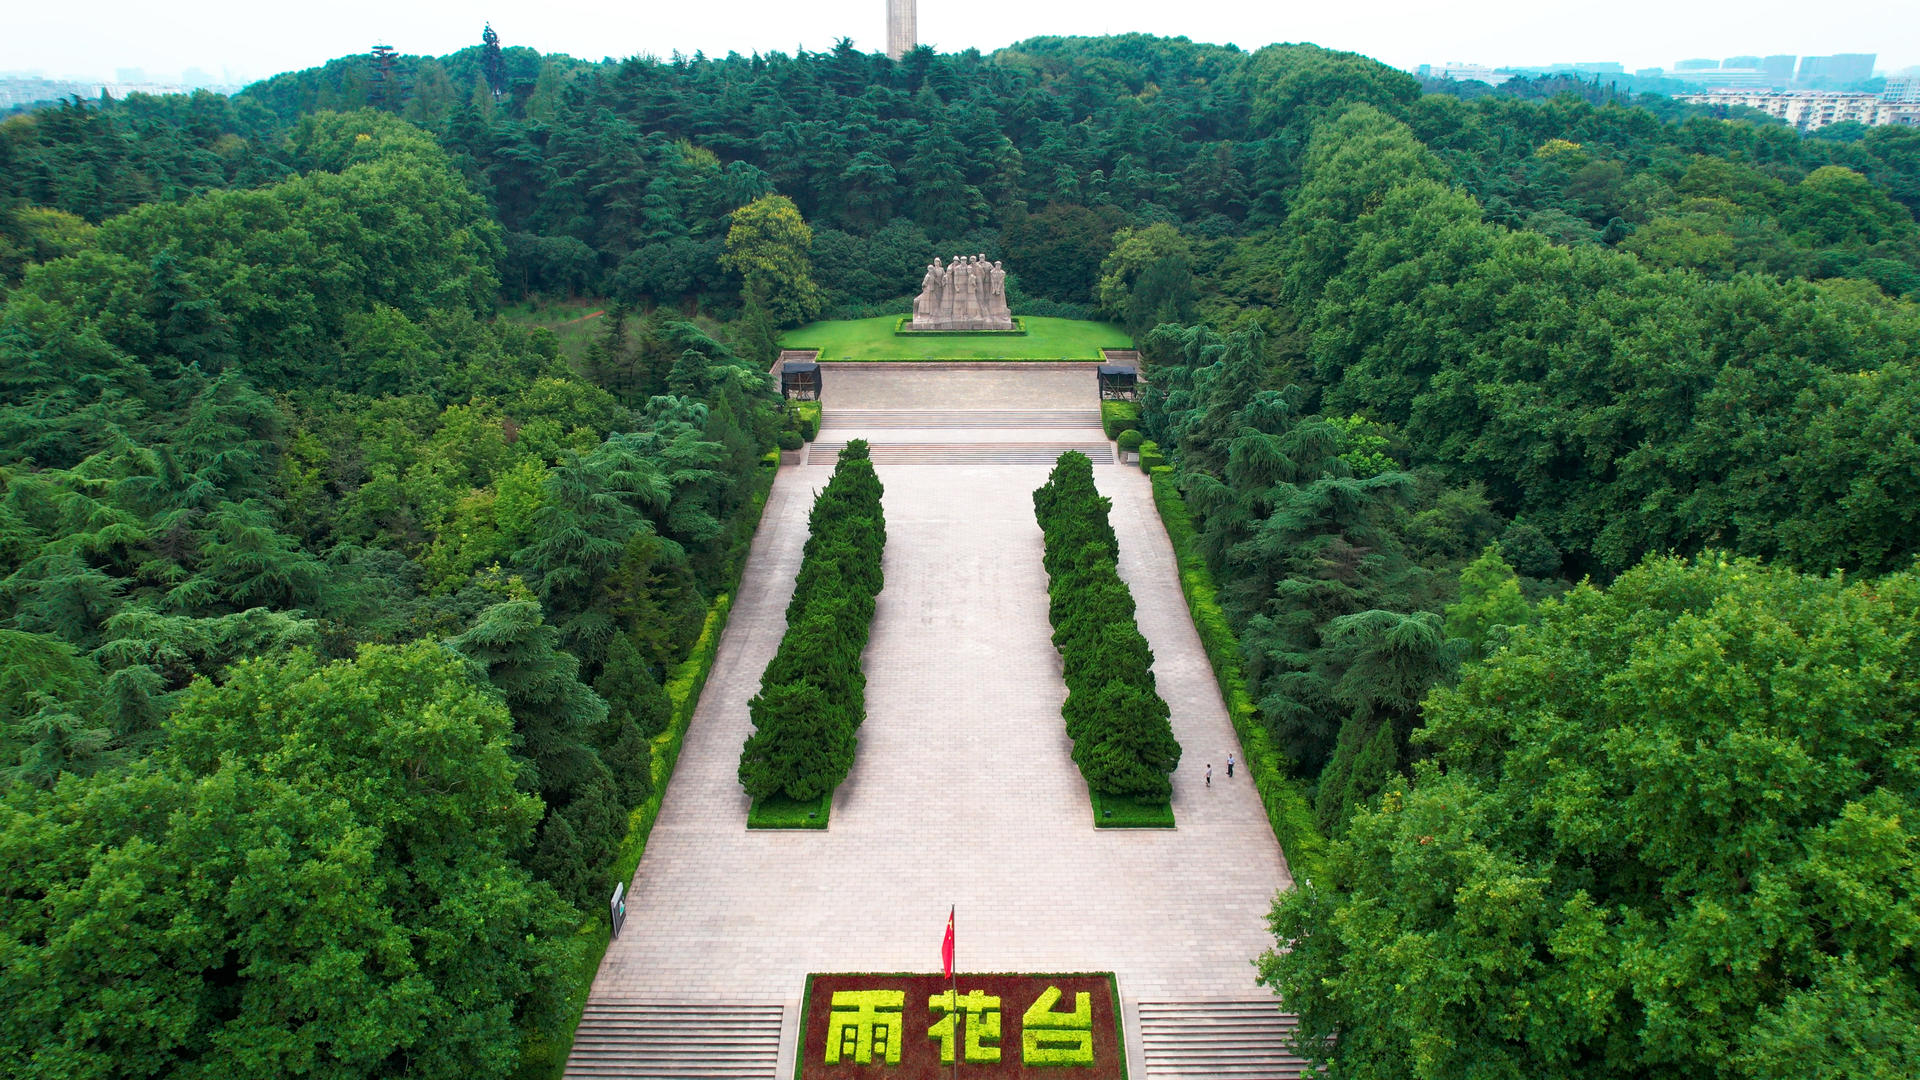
{"x": 962, "y": 324}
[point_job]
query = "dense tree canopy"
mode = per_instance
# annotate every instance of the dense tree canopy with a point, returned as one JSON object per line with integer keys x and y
{"x": 1417, "y": 361}
{"x": 1670, "y": 830}
{"x": 313, "y": 876}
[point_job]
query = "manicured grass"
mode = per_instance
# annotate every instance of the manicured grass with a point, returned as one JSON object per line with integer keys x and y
{"x": 573, "y": 323}
{"x": 874, "y": 339}
{"x": 780, "y": 812}
{"x": 1121, "y": 812}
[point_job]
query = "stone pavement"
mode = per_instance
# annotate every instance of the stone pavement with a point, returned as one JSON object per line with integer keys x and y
{"x": 962, "y": 792}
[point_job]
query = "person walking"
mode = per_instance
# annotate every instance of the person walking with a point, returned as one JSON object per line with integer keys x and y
{"x": 1209, "y": 774}
{"x": 1229, "y": 766}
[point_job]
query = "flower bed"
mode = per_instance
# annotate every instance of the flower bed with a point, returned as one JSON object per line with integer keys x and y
{"x": 999, "y": 1026}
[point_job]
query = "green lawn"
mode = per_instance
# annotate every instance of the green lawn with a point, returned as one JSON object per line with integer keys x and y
{"x": 575, "y": 323}
{"x": 1120, "y": 812}
{"x": 874, "y": 339}
{"x": 780, "y": 812}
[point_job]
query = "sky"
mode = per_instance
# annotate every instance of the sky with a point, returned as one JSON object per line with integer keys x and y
{"x": 251, "y": 39}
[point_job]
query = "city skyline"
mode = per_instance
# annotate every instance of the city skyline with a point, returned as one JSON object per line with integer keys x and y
{"x": 212, "y": 35}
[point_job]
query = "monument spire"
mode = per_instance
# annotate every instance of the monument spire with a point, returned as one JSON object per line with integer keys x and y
{"x": 900, "y": 28}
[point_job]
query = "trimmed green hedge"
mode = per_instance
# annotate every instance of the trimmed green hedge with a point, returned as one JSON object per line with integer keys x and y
{"x": 812, "y": 696}
{"x": 1119, "y": 416}
{"x": 1122, "y": 740}
{"x": 1150, "y": 457}
{"x": 1121, "y": 812}
{"x": 804, "y": 417}
{"x": 1130, "y": 440}
{"x": 780, "y": 812}
{"x": 545, "y": 1054}
{"x": 900, "y": 327}
{"x": 1289, "y": 810}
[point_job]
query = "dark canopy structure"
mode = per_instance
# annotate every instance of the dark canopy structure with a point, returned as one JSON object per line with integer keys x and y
{"x": 1118, "y": 382}
{"x": 800, "y": 380}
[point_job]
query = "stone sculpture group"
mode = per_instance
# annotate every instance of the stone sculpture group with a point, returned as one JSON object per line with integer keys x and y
{"x": 968, "y": 293}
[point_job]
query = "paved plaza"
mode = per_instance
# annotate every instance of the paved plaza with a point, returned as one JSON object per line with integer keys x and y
{"x": 963, "y": 792}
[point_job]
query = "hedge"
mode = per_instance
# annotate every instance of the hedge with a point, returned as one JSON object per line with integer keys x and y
{"x": 1289, "y": 810}
{"x": 1130, "y": 440}
{"x": 804, "y": 417}
{"x": 1119, "y": 416}
{"x": 1019, "y": 329}
{"x": 1150, "y": 457}
{"x": 545, "y": 1054}
{"x": 812, "y": 696}
{"x": 1118, "y": 722}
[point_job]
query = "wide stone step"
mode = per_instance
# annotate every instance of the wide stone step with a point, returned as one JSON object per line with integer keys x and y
{"x": 1243, "y": 1040}
{"x": 946, "y": 419}
{"x": 620, "y": 1040}
{"x": 996, "y": 453}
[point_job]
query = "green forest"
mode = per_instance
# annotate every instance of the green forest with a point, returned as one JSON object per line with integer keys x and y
{"x": 1553, "y": 456}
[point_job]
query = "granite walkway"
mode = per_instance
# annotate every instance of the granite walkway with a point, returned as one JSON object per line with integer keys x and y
{"x": 963, "y": 792}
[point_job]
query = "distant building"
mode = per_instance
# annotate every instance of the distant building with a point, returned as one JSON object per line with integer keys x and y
{"x": 900, "y": 28}
{"x": 1728, "y": 78}
{"x": 1779, "y": 69}
{"x": 1902, "y": 90}
{"x": 1811, "y": 110}
{"x": 1459, "y": 72}
{"x": 1839, "y": 69}
{"x": 1741, "y": 62}
{"x": 1696, "y": 65}
{"x": 18, "y": 90}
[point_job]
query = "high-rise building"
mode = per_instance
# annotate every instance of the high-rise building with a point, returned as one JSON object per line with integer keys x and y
{"x": 1838, "y": 69}
{"x": 1779, "y": 69}
{"x": 1902, "y": 90}
{"x": 1742, "y": 62}
{"x": 1695, "y": 65}
{"x": 900, "y": 28}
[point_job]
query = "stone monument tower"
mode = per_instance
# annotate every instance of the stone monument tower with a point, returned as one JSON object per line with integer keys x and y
{"x": 900, "y": 29}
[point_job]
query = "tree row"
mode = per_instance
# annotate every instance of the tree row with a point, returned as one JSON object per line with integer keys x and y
{"x": 1117, "y": 720}
{"x": 812, "y": 697}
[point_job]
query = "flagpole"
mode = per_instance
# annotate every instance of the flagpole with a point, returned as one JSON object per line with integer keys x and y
{"x": 954, "y": 974}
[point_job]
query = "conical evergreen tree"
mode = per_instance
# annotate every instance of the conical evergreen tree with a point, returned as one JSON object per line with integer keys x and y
{"x": 555, "y": 717}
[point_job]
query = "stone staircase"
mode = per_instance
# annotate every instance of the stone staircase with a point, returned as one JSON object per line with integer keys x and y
{"x": 619, "y": 1040}
{"x": 1235, "y": 1040}
{"x": 994, "y": 453}
{"x": 1000, "y": 419}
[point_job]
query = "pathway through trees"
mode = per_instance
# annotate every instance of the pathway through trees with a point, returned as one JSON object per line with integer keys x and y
{"x": 962, "y": 792}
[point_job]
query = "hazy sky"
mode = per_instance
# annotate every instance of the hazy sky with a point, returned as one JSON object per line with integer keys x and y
{"x": 254, "y": 39}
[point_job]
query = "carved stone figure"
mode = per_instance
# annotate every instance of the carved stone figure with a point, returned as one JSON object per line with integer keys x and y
{"x": 933, "y": 288}
{"x": 968, "y": 293}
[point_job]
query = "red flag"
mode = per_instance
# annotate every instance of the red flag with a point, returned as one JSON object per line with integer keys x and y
{"x": 946, "y": 950}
